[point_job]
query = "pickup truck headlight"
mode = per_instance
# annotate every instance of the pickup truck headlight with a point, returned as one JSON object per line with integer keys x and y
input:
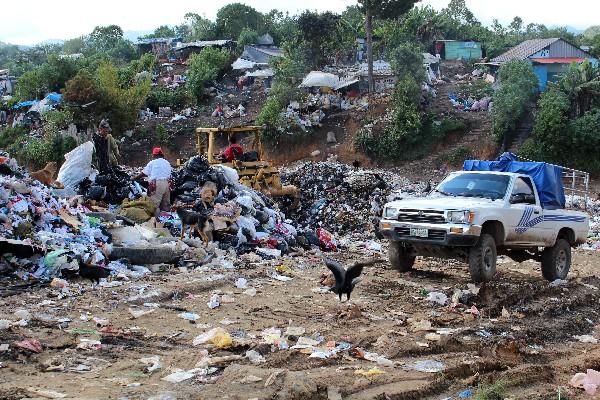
{"x": 461, "y": 217}
{"x": 390, "y": 213}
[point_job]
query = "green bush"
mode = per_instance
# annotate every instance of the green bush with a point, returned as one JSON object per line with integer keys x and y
{"x": 270, "y": 116}
{"x": 518, "y": 89}
{"x": 247, "y": 36}
{"x": 163, "y": 97}
{"x": 35, "y": 152}
{"x": 408, "y": 136}
{"x": 162, "y": 136}
{"x": 8, "y": 136}
{"x": 288, "y": 74}
{"x": 495, "y": 391}
{"x": 120, "y": 104}
{"x": 204, "y": 67}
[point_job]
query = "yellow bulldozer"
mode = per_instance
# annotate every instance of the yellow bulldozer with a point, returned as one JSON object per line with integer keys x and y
{"x": 258, "y": 173}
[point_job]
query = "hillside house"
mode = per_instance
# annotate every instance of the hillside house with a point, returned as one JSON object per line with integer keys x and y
{"x": 549, "y": 57}
{"x": 157, "y": 46}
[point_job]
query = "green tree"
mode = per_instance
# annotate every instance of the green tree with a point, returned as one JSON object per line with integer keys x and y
{"x": 74, "y": 46}
{"x": 551, "y": 124}
{"x": 282, "y": 27}
{"x": 82, "y": 96}
{"x": 58, "y": 70}
{"x": 200, "y": 28}
{"x": 31, "y": 85}
{"x": 163, "y": 31}
{"x": 458, "y": 11}
{"x": 109, "y": 41}
{"x": 234, "y": 17}
{"x": 382, "y": 9}
{"x": 105, "y": 38}
{"x": 582, "y": 84}
{"x": 591, "y": 32}
{"x": 204, "y": 67}
{"x": 317, "y": 31}
{"x": 407, "y": 60}
{"x": 247, "y": 36}
{"x": 119, "y": 103}
{"x": 518, "y": 88}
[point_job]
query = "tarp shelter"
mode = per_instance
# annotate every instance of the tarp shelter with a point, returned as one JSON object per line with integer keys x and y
{"x": 547, "y": 177}
{"x": 320, "y": 79}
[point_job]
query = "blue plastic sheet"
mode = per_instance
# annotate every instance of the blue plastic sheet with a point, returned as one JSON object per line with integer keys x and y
{"x": 54, "y": 97}
{"x": 547, "y": 177}
{"x": 22, "y": 104}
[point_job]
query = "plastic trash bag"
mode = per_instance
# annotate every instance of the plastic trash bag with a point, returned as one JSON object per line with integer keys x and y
{"x": 77, "y": 166}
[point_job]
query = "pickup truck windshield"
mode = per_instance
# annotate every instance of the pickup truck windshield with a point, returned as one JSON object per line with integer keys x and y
{"x": 490, "y": 186}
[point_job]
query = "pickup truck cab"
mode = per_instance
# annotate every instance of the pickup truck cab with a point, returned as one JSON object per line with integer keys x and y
{"x": 475, "y": 215}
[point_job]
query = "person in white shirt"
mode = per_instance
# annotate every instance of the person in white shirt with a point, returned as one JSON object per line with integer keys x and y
{"x": 158, "y": 172}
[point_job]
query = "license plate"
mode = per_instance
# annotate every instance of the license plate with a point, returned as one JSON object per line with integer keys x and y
{"x": 419, "y": 232}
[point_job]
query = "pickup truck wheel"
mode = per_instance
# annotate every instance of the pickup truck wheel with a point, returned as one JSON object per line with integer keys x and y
{"x": 399, "y": 258}
{"x": 482, "y": 259}
{"x": 556, "y": 260}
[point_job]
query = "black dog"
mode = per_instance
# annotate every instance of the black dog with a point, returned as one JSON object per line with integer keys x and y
{"x": 200, "y": 222}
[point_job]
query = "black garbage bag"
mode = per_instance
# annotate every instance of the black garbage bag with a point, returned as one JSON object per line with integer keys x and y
{"x": 5, "y": 169}
{"x": 197, "y": 165}
{"x": 96, "y": 192}
{"x": 117, "y": 183}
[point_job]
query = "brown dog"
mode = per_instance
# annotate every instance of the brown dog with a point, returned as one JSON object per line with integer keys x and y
{"x": 195, "y": 221}
{"x": 46, "y": 175}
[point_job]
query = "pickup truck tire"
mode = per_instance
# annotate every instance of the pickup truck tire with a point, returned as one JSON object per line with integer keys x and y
{"x": 482, "y": 259}
{"x": 556, "y": 260}
{"x": 399, "y": 258}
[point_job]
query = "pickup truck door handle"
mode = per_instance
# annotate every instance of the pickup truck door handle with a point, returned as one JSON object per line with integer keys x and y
{"x": 536, "y": 212}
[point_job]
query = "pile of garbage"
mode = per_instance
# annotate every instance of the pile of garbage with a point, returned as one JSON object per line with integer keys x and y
{"x": 342, "y": 198}
{"x": 42, "y": 234}
{"x": 240, "y": 217}
{"x": 470, "y": 104}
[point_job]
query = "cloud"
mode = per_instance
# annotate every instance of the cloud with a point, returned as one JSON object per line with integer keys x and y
{"x": 66, "y": 19}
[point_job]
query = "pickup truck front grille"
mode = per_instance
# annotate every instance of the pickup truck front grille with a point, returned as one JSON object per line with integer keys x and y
{"x": 434, "y": 234}
{"x": 423, "y": 216}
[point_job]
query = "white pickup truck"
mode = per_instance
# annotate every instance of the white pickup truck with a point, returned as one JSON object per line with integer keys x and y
{"x": 474, "y": 216}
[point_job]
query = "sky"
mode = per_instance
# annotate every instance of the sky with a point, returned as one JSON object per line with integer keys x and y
{"x": 64, "y": 19}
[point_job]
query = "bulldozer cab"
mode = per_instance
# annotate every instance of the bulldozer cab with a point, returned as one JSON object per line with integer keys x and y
{"x": 206, "y": 143}
{"x": 254, "y": 171}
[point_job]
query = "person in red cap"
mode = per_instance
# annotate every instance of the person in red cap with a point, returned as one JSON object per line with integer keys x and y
{"x": 158, "y": 172}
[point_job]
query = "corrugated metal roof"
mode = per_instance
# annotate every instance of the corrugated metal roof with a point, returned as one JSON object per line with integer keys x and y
{"x": 204, "y": 43}
{"x": 261, "y": 55}
{"x": 525, "y": 49}
{"x": 557, "y": 60}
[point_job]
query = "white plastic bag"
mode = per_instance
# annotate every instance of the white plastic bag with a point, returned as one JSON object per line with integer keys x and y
{"x": 77, "y": 166}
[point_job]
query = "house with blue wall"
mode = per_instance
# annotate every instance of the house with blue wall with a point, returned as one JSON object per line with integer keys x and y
{"x": 549, "y": 57}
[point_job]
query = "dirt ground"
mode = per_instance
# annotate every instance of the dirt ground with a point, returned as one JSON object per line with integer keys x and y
{"x": 521, "y": 332}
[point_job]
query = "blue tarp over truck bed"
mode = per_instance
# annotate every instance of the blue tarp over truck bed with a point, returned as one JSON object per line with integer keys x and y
{"x": 547, "y": 177}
